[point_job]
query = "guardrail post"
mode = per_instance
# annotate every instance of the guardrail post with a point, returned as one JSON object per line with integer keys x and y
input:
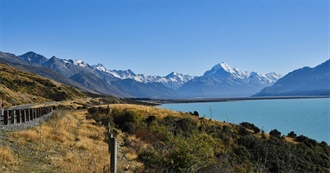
{"x": 31, "y": 114}
{"x": 23, "y": 115}
{"x": 5, "y": 118}
{"x": 43, "y": 111}
{"x": 18, "y": 116}
{"x": 27, "y": 114}
{"x": 12, "y": 116}
{"x": 34, "y": 113}
{"x": 39, "y": 112}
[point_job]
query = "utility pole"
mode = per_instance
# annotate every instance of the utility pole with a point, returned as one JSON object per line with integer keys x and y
{"x": 113, "y": 151}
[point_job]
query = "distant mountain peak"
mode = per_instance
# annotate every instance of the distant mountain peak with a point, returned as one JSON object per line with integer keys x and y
{"x": 33, "y": 58}
{"x": 100, "y": 67}
{"x": 221, "y": 69}
{"x": 54, "y": 57}
{"x": 80, "y": 63}
{"x": 172, "y": 74}
{"x": 226, "y": 67}
{"x": 30, "y": 53}
{"x": 305, "y": 81}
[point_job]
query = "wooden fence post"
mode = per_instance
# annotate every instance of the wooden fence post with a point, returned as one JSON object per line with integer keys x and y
{"x": 113, "y": 152}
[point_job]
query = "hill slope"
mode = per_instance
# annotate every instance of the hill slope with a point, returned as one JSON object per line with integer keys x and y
{"x": 156, "y": 140}
{"x": 18, "y": 87}
{"x": 302, "y": 82}
{"x": 14, "y": 61}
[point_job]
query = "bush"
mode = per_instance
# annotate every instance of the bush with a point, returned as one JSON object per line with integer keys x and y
{"x": 196, "y": 113}
{"x": 250, "y": 126}
{"x": 129, "y": 127}
{"x": 242, "y": 131}
{"x": 150, "y": 119}
{"x": 292, "y": 134}
{"x": 307, "y": 141}
{"x": 275, "y": 133}
{"x": 126, "y": 120}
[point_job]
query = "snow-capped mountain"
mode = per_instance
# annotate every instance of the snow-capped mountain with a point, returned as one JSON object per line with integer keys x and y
{"x": 75, "y": 70}
{"x": 79, "y": 63}
{"x": 115, "y": 79}
{"x": 223, "y": 70}
{"x": 224, "y": 81}
{"x": 66, "y": 67}
{"x": 220, "y": 81}
{"x": 173, "y": 80}
{"x": 302, "y": 82}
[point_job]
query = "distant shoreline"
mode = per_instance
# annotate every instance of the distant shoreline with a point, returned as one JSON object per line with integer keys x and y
{"x": 201, "y": 100}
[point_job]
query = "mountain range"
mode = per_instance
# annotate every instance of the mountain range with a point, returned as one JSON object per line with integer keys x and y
{"x": 224, "y": 81}
{"x": 221, "y": 80}
{"x": 218, "y": 82}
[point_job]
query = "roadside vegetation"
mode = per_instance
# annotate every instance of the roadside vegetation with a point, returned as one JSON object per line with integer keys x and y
{"x": 153, "y": 139}
{"x": 184, "y": 142}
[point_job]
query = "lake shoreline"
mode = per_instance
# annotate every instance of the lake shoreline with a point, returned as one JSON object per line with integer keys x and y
{"x": 303, "y": 115}
{"x": 201, "y": 100}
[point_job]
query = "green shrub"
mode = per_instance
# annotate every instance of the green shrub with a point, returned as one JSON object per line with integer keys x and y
{"x": 275, "y": 133}
{"x": 250, "y": 126}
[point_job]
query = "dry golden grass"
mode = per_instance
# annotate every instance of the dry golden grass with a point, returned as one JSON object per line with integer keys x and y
{"x": 7, "y": 157}
{"x": 291, "y": 140}
{"x": 147, "y": 110}
{"x": 26, "y": 136}
{"x": 64, "y": 143}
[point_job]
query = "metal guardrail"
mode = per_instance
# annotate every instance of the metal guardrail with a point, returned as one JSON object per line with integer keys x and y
{"x": 22, "y": 115}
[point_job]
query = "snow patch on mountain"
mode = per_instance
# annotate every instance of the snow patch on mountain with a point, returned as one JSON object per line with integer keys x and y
{"x": 223, "y": 70}
{"x": 99, "y": 67}
{"x": 173, "y": 80}
{"x": 80, "y": 63}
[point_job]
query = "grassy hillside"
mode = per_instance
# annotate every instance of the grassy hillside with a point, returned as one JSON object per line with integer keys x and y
{"x": 155, "y": 140}
{"x": 18, "y": 87}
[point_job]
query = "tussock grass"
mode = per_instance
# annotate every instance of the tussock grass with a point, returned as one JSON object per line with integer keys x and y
{"x": 26, "y": 136}
{"x": 7, "y": 157}
{"x": 64, "y": 143}
{"x": 147, "y": 110}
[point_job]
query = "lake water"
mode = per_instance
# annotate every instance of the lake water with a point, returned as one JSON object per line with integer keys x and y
{"x": 309, "y": 117}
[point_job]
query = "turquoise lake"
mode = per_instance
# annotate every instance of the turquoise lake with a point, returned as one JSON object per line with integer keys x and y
{"x": 309, "y": 117}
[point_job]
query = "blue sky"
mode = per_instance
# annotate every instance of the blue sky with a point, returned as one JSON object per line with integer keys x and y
{"x": 161, "y": 36}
